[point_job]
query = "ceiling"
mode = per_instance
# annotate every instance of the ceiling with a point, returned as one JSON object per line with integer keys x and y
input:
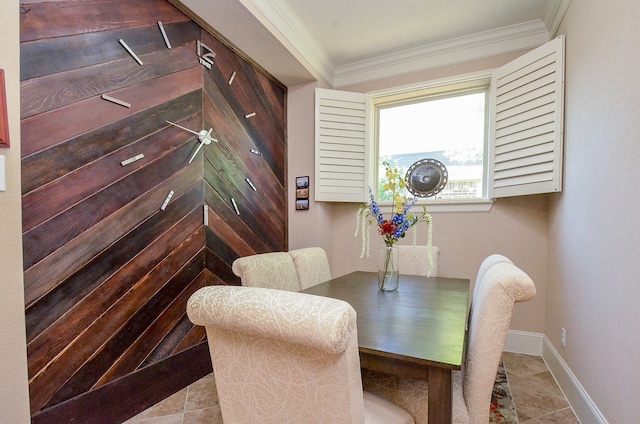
{"x": 346, "y": 42}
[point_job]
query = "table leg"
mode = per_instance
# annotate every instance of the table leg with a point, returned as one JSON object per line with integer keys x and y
{"x": 440, "y": 396}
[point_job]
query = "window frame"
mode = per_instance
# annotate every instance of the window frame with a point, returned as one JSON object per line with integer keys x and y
{"x": 473, "y": 82}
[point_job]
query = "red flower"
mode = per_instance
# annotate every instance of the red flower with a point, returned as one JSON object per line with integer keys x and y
{"x": 387, "y": 228}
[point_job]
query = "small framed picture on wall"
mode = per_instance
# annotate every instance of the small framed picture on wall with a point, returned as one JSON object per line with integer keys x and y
{"x": 302, "y": 193}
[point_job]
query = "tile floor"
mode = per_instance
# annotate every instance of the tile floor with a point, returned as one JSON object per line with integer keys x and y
{"x": 537, "y": 397}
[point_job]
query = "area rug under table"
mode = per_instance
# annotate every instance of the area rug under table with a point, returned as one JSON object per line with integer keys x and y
{"x": 503, "y": 409}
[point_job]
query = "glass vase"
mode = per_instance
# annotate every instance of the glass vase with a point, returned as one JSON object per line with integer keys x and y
{"x": 388, "y": 271}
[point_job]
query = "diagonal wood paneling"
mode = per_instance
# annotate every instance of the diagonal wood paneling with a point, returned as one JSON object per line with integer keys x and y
{"x": 107, "y": 271}
{"x": 242, "y": 123}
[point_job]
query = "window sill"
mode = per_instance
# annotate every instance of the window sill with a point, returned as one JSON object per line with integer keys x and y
{"x": 447, "y": 205}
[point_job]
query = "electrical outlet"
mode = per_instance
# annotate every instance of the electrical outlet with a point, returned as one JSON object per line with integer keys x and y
{"x": 564, "y": 338}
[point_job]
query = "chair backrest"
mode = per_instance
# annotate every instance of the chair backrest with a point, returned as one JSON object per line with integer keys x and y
{"x": 501, "y": 285}
{"x": 274, "y": 270}
{"x": 414, "y": 260}
{"x": 312, "y": 266}
{"x": 280, "y": 356}
{"x": 489, "y": 261}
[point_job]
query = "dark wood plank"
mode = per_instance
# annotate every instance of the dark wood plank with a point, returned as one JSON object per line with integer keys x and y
{"x": 48, "y": 273}
{"x": 126, "y": 350}
{"x": 195, "y": 336}
{"x": 230, "y": 128}
{"x": 107, "y": 294}
{"x": 60, "y": 19}
{"x": 70, "y": 306}
{"x": 39, "y": 95}
{"x": 54, "y": 198}
{"x": 55, "y": 55}
{"x": 220, "y": 261}
{"x": 99, "y": 347}
{"x": 122, "y": 399}
{"x": 57, "y": 126}
{"x": 174, "y": 336}
{"x": 44, "y": 167}
{"x": 159, "y": 339}
{"x": 264, "y": 221}
{"x": 244, "y": 99}
{"x": 67, "y": 323}
{"x": 54, "y": 233}
{"x": 236, "y": 163}
{"x": 225, "y": 221}
{"x": 250, "y": 92}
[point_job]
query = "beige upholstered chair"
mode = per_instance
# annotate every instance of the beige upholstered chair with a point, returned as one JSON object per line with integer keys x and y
{"x": 414, "y": 260}
{"x": 501, "y": 285}
{"x": 283, "y": 357}
{"x": 312, "y": 266}
{"x": 274, "y": 270}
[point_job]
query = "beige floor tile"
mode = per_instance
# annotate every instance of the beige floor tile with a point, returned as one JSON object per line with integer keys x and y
{"x": 523, "y": 365}
{"x": 536, "y": 395}
{"x": 166, "y": 419}
{"x": 564, "y": 416}
{"x": 202, "y": 394}
{"x": 203, "y": 416}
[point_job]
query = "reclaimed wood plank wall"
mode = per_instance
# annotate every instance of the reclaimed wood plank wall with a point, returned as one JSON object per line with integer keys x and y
{"x": 107, "y": 272}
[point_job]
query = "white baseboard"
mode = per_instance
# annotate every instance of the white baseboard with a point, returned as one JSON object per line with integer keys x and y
{"x": 538, "y": 344}
{"x": 580, "y": 401}
{"x": 524, "y": 342}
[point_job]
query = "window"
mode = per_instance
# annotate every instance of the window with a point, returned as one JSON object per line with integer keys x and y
{"x": 521, "y": 104}
{"x": 450, "y": 127}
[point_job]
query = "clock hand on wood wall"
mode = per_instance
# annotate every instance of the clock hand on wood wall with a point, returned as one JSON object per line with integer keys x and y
{"x": 204, "y": 137}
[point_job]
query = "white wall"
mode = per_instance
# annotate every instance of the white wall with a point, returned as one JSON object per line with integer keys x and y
{"x": 594, "y": 237}
{"x": 14, "y": 394}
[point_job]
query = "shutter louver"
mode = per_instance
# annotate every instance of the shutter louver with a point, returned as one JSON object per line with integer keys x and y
{"x": 341, "y": 147}
{"x": 526, "y": 155}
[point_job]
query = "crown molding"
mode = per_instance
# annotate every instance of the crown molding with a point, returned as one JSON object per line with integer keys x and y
{"x": 290, "y": 27}
{"x": 476, "y": 46}
{"x": 553, "y": 15}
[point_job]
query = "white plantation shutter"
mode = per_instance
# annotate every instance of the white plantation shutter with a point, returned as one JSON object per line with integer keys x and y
{"x": 527, "y": 123}
{"x": 342, "y": 148}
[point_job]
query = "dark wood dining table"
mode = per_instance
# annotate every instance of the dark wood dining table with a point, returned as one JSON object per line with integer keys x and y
{"x": 417, "y": 331}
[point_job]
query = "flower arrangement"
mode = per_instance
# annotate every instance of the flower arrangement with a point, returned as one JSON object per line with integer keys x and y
{"x": 401, "y": 220}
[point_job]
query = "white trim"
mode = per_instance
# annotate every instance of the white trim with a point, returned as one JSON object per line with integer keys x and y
{"x": 539, "y": 345}
{"x": 553, "y": 15}
{"x": 476, "y": 79}
{"x": 583, "y": 406}
{"x": 509, "y": 39}
{"x": 445, "y": 205}
{"x": 286, "y": 26}
{"x": 524, "y": 342}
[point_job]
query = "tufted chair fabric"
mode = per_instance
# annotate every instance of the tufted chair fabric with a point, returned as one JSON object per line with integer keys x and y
{"x": 274, "y": 270}
{"x": 312, "y": 266}
{"x": 414, "y": 260}
{"x": 285, "y": 357}
{"x": 501, "y": 285}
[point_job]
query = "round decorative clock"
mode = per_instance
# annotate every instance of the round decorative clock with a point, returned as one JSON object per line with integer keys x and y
{"x": 426, "y": 177}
